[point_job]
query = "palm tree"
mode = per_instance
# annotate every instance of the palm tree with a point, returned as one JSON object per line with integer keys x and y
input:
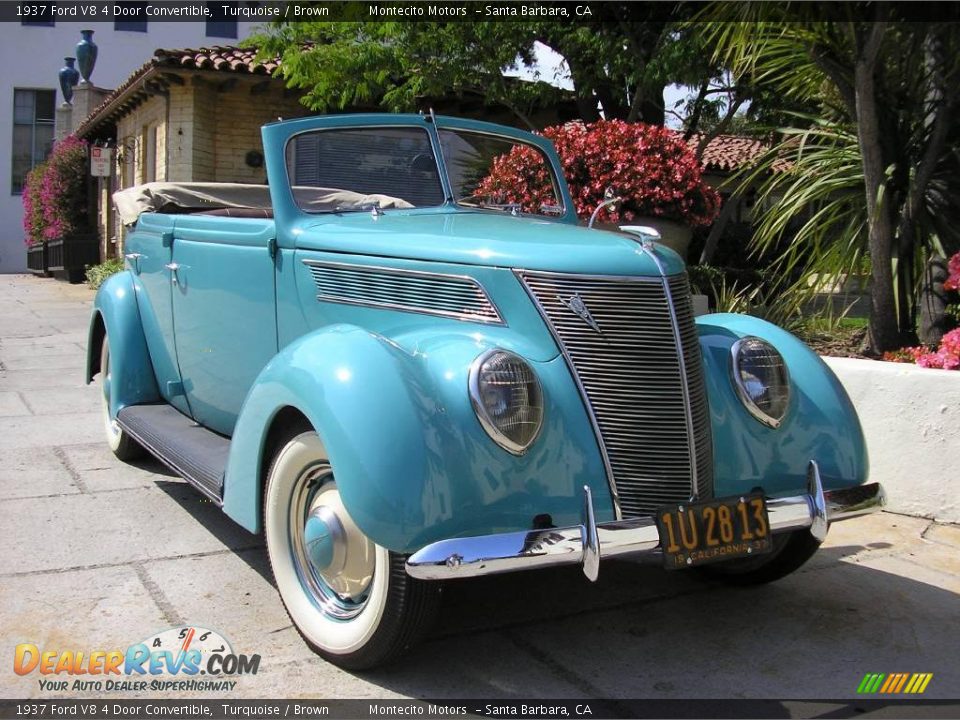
{"x": 874, "y": 172}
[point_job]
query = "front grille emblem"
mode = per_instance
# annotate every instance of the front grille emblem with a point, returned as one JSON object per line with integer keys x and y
{"x": 578, "y": 307}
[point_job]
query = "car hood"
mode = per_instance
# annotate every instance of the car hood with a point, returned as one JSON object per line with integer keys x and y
{"x": 489, "y": 239}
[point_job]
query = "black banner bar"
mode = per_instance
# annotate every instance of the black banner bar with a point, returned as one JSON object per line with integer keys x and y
{"x": 571, "y": 11}
{"x": 532, "y": 709}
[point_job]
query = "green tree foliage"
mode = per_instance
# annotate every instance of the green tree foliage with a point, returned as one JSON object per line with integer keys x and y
{"x": 873, "y": 171}
{"x": 619, "y": 68}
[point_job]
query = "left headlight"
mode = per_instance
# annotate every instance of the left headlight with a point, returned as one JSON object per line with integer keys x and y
{"x": 507, "y": 398}
{"x": 761, "y": 379}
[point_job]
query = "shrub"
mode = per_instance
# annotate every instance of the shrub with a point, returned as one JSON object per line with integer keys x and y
{"x": 651, "y": 167}
{"x": 96, "y": 274}
{"x": 33, "y": 206}
{"x": 63, "y": 190}
{"x": 946, "y": 357}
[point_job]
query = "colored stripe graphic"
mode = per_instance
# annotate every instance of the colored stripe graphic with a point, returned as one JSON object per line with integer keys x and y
{"x": 871, "y": 683}
{"x": 894, "y": 683}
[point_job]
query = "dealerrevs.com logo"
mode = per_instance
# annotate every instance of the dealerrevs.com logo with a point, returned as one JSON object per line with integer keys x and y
{"x": 185, "y": 658}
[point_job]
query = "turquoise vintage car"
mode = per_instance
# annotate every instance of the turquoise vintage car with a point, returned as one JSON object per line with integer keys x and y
{"x": 402, "y": 380}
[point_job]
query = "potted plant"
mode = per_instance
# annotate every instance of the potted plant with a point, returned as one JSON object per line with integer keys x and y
{"x": 67, "y": 229}
{"x": 650, "y": 167}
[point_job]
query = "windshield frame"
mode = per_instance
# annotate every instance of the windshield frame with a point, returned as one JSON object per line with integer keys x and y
{"x": 561, "y": 189}
{"x": 555, "y": 180}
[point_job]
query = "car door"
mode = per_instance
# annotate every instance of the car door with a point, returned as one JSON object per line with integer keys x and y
{"x": 148, "y": 253}
{"x": 224, "y": 310}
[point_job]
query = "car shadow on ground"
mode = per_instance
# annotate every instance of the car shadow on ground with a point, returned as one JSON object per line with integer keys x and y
{"x": 246, "y": 545}
{"x": 644, "y": 632}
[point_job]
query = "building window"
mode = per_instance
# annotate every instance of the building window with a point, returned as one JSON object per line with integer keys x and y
{"x": 33, "y": 112}
{"x": 135, "y": 9}
{"x": 148, "y": 160}
{"x": 219, "y": 25}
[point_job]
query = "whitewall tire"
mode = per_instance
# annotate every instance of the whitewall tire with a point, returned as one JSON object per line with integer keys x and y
{"x": 349, "y": 598}
{"x": 121, "y": 443}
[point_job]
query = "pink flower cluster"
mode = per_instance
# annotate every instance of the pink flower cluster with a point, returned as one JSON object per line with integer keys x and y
{"x": 651, "y": 167}
{"x": 32, "y": 208}
{"x": 55, "y": 196}
{"x": 953, "y": 266}
{"x": 946, "y": 357}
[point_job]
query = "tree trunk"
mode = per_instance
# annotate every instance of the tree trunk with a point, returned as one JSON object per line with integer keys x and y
{"x": 716, "y": 231}
{"x": 884, "y": 334}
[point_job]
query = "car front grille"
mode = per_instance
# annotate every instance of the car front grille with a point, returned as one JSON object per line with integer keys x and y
{"x": 647, "y": 395}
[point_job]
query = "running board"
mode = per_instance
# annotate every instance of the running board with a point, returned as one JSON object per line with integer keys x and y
{"x": 190, "y": 450}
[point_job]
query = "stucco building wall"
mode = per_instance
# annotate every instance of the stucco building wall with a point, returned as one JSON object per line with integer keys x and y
{"x": 911, "y": 419}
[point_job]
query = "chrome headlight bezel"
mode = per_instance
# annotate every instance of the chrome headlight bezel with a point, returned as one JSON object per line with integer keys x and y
{"x": 487, "y": 421}
{"x": 744, "y": 394}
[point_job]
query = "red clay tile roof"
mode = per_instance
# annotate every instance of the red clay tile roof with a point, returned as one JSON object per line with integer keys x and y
{"x": 228, "y": 59}
{"x": 131, "y": 90}
{"x": 729, "y": 152}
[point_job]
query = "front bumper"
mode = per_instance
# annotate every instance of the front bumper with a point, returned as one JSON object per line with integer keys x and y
{"x": 586, "y": 543}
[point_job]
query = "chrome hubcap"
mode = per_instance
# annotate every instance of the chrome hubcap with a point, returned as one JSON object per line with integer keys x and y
{"x": 334, "y": 560}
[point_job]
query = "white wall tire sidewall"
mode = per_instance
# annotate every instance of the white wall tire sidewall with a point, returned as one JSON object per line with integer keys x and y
{"x": 338, "y": 637}
{"x": 113, "y": 432}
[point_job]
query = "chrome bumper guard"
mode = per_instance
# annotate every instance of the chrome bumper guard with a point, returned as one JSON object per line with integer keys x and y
{"x": 584, "y": 544}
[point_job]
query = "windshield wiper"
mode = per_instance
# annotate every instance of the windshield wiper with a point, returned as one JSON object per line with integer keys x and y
{"x": 478, "y": 201}
{"x": 373, "y": 207}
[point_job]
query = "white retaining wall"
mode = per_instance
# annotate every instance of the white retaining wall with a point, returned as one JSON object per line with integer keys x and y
{"x": 911, "y": 419}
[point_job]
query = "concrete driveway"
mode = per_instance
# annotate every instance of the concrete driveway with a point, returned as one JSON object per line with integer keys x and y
{"x": 97, "y": 554}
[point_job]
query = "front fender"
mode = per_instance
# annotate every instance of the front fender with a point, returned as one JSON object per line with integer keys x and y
{"x": 821, "y": 423}
{"x": 115, "y": 312}
{"x": 412, "y": 463}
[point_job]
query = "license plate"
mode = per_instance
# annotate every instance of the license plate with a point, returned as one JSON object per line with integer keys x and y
{"x": 700, "y": 533}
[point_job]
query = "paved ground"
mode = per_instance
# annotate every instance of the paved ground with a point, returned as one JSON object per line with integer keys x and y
{"x": 98, "y": 554}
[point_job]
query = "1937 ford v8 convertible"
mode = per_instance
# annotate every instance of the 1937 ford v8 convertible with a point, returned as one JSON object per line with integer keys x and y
{"x": 401, "y": 381}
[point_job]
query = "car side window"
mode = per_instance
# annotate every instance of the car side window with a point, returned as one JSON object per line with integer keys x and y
{"x": 351, "y": 169}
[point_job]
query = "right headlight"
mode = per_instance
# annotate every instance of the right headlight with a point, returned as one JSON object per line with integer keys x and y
{"x": 507, "y": 398}
{"x": 761, "y": 379}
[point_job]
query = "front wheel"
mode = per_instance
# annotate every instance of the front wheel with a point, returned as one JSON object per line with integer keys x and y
{"x": 350, "y": 599}
{"x": 790, "y": 552}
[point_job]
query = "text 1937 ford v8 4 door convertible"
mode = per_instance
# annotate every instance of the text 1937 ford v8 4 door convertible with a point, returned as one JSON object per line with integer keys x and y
{"x": 401, "y": 381}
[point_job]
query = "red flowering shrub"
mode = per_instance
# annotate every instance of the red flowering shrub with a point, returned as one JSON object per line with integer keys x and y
{"x": 946, "y": 357}
{"x": 651, "y": 167}
{"x": 32, "y": 206}
{"x": 62, "y": 191}
{"x": 953, "y": 266}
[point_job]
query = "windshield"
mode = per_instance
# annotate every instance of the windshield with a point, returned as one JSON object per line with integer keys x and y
{"x": 493, "y": 171}
{"x": 346, "y": 170}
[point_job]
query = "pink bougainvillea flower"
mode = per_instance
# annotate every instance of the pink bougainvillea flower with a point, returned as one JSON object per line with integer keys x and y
{"x": 953, "y": 266}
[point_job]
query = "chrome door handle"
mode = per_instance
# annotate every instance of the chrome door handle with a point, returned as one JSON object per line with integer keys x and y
{"x": 134, "y": 259}
{"x": 173, "y": 267}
